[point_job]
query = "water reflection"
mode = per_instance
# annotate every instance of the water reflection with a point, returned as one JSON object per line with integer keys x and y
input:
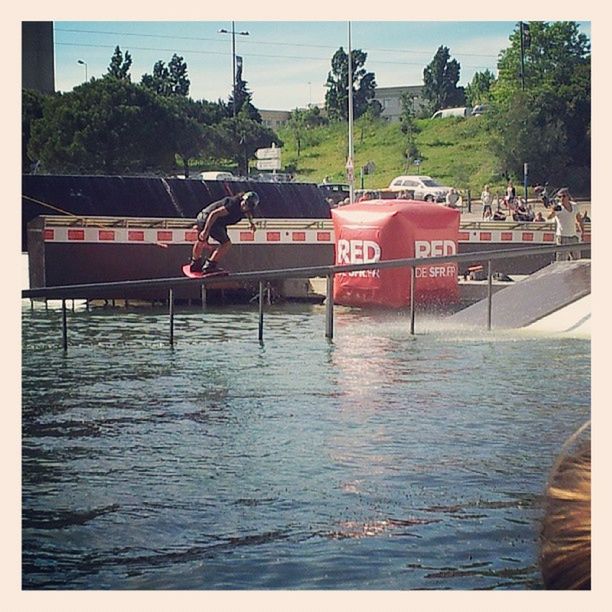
{"x": 380, "y": 460}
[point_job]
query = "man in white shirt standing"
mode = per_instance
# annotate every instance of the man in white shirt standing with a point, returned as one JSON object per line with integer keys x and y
{"x": 567, "y": 219}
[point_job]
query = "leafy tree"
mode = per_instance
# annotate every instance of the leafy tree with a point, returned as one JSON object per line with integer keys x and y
{"x": 192, "y": 130}
{"x": 243, "y": 97}
{"x": 370, "y": 117}
{"x": 363, "y": 85}
{"x": 178, "y": 76}
{"x": 525, "y": 136}
{"x": 105, "y": 126}
{"x": 556, "y": 101}
{"x": 409, "y": 128}
{"x": 32, "y": 104}
{"x": 168, "y": 80}
{"x": 407, "y": 115}
{"x": 241, "y": 137}
{"x": 120, "y": 65}
{"x": 297, "y": 125}
{"x": 440, "y": 78}
{"x": 479, "y": 90}
{"x": 313, "y": 117}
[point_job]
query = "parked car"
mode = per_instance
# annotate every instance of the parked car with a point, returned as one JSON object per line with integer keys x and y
{"x": 420, "y": 188}
{"x": 335, "y": 191}
{"x": 462, "y": 111}
{"x": 269, "y": 177}
{"x": 479, "y": 109}
{"x": 216, "y": 175}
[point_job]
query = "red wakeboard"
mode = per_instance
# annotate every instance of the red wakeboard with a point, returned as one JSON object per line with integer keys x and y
{"x": 190, "y": 274}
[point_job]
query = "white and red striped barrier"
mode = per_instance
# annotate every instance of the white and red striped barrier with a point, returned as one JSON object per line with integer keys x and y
{"x": 182, "y": 236}
{"x": 126, "y": 235}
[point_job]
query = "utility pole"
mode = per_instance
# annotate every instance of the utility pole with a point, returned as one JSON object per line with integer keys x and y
{"x": 350, "y": 164}
{"x": 233, "y": 33}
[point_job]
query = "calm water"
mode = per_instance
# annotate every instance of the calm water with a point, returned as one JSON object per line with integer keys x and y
{"x": 378, "y": 461}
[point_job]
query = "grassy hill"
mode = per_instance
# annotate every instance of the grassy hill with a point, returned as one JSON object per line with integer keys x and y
{"x": 453, "y": 150}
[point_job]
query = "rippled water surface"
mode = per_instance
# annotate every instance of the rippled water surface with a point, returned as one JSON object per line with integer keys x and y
{"x": 376, "y": 461}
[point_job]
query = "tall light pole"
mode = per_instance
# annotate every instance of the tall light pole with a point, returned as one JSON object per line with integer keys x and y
{"x": 233, "y": 33}
{"x": 84, "y": 64}
{"x": 350, "y": 165}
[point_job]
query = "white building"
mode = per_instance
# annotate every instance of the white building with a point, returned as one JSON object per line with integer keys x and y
{"x": 391, "y": 100}
{"x": 389, "y": 97}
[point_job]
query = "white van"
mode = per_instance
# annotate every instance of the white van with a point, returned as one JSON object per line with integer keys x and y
{"x": 420, "y": 188}
{"x": 216, "y": 176}
{"x": 462, "y": 111}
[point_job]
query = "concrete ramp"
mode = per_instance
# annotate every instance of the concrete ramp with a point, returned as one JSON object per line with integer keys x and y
{"x": 572, "y": 321}
{"x": 529, "y": 300}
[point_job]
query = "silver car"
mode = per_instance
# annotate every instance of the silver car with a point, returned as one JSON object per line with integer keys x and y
{"x": 420, "y": 188}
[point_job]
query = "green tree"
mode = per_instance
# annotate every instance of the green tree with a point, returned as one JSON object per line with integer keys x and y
{"x": 369, "y": 118}
{"x": 105, "y": 126}
{"x": 239, "y": 138}
{"x": 297, "y": 125}
{"x": 32, "y": 106}
{"x": 556, "y": 100}
{"x": 120, "y": 65}
{"x": 409, "y": 128}
{"x": 440, "y": 78}
{"x": 479, "y": 89}
{"x": 192, "y": 130}
{"x": 526, "y": 137}
{"x": 243, "y": 97}
{"x": 313, "y": 117}
{"x": 363, "y": 85}
{"x": 170, "y": 80}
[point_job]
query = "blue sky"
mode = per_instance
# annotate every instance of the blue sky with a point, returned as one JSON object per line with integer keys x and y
{"x": 285, "y": 62}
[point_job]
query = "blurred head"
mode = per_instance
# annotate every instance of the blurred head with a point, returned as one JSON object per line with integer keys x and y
{"x": 565, "y": 544}
{"x": 250, "y": 201}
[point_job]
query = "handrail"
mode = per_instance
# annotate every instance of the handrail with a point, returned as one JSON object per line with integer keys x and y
{"x": 83, "y": 291}
{"x": 89, "y": 290}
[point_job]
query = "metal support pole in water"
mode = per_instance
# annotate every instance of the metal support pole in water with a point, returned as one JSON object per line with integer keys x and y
{"x": 329, "y": 307}
{"x": 64, "y": 327}
{"x": 203, "y": 295}
{"x": 489, "y": 293}
{"x": 412, "y": 279}
{"x": 171, "y": 311}
{"x": 261, "y": 310}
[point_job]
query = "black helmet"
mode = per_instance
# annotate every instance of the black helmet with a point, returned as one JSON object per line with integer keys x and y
{"x": 251, "y": 200}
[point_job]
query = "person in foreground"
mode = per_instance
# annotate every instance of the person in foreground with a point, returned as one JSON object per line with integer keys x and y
{"x": 565, "y": 539}
{"x": 213, "y": 221}
{"x": 568, "y": 220}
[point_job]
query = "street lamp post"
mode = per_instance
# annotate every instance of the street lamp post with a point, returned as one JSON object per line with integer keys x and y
{"x": 84, "y": 64}
{"x": 233, "y": 33}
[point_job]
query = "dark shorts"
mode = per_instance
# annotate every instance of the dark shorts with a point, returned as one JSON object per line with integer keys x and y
{"x": 218, "y": 231}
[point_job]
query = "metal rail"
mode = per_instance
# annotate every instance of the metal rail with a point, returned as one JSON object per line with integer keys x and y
{"x": 94, "y": 290}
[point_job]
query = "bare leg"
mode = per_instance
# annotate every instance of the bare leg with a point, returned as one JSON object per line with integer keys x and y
{"x": 198, "y": 248}
{"x": 220, "y": 252}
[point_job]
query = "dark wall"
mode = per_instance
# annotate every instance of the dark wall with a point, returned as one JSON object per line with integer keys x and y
{"x": 118, "y": 196}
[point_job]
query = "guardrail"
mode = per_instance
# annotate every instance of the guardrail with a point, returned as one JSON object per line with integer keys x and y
{"x": 288, "y": 224}
{"x": 93, "y": 290}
